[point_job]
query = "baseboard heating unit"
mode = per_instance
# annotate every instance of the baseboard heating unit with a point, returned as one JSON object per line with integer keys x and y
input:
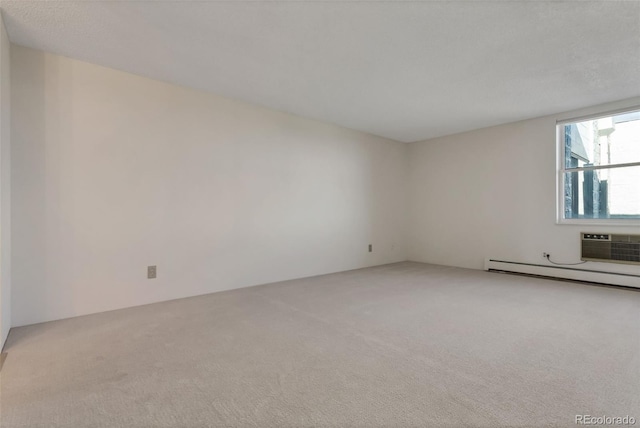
{"x": 561, "y": 272}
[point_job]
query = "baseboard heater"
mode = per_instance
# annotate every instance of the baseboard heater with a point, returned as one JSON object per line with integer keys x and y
{"x": 561, "y": 272}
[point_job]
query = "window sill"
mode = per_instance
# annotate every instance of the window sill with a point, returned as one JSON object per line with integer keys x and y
{"x": 600, "y": 222}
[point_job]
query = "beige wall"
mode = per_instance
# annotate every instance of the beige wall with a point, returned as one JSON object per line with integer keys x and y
{"x": 5, "y": 185}
{"x": 113, "y": 172}
{"x": 491, "y": 193}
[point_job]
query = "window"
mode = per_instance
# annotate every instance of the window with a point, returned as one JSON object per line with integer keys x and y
{"x": 599, "y": 174}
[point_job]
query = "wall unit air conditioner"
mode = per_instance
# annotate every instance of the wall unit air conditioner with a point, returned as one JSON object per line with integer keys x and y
{"x": 609, "y": 247}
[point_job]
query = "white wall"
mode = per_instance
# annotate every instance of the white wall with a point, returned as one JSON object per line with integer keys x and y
{"x": 113, "y": 172}
{"x": 5, "y": 185}
{"x": 492, "y": 193}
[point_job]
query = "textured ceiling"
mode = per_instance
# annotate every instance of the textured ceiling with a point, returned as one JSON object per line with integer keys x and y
{"x": 404, "y": 70}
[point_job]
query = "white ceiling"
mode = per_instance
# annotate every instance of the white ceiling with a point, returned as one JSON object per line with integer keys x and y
{"x": 403, "y": 70}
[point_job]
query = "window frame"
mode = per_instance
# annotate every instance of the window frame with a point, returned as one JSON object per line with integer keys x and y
{"x": 561, "y": 170}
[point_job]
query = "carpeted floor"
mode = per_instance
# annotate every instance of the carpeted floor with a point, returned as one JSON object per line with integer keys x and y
{"x": 406, "y": 344}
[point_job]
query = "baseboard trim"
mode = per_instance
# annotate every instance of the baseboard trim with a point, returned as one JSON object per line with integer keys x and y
{"x": 561, "y": 272}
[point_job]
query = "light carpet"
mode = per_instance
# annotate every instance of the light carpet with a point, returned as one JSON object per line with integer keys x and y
{"x": 400, "y": 345}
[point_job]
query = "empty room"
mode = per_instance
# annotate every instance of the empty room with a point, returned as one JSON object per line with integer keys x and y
{"x": 319, "y": 213}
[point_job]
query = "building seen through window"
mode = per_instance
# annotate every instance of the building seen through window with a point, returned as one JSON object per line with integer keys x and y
{"x": 601, "y": 174}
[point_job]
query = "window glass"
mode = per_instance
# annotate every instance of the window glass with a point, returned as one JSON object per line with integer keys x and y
{"x": 601, "y": 167}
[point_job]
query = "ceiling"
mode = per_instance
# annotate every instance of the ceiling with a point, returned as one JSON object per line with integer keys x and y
{"x": 404, "y": 70}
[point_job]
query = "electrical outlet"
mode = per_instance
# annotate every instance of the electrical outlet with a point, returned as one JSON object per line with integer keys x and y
{"x": 370, "y": 248}
{"x": 151, "y": 272}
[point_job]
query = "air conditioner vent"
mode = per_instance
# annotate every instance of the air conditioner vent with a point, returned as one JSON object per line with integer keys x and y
{"x": 602, "y": 247}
